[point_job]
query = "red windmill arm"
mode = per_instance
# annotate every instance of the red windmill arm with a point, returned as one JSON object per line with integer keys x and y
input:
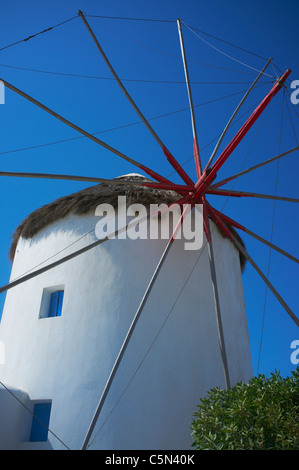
{"x": 207, "y": 177}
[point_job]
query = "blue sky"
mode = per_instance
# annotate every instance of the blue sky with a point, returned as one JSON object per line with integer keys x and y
{"x": 145, "y": 53}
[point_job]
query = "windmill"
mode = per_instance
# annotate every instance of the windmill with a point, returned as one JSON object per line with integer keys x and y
{"x": 190, "y": 193}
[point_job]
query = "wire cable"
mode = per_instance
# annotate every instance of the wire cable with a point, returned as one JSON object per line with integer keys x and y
{"x": 224, "y": 53}
{"x": 176, "y": 56}
{"x": 37, "y": 34}
{"x": 136, "y": 80}
{"x": 36, "y": 417}
{"x": 126, "y": 125}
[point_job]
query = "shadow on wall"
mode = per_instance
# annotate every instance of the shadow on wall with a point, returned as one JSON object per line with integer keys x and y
{"x": 16, "y": 421}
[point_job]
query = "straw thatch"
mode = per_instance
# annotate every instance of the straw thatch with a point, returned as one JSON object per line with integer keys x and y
{"x": 85, "y": 201}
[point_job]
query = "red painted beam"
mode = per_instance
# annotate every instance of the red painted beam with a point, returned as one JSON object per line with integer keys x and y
{"x": 206, "y": 225}
{"x": 206, "y": 177}
{"x": 178, "y": 168}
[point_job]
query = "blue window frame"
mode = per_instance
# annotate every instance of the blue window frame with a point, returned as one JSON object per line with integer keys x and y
{"x": 40, "y": 422}
{"x": 56, "y": 301}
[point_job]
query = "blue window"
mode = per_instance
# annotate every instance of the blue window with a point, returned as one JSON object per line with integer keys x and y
{"x": 40, "y": 422}
{"x": 55, "y": 307}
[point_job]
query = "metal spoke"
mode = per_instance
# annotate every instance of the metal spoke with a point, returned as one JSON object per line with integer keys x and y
{"x": 150, "y": 172}
{"x": 211, "y": 173}
{"x": 129, "y": 334}
{"x": 255, "y": 167}
{"x": 218, "y": 220}
{"x": 170, "y": 186}
{"x": 230, "y": 192}
{"x": 168, "y": 155}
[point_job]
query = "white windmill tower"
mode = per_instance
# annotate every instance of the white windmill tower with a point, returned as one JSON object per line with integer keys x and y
{"x": 68, "y": 325}
{"x": 64, "y": 355}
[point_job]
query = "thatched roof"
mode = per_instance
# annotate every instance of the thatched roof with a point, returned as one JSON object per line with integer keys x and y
{"x": 85, "y": 201}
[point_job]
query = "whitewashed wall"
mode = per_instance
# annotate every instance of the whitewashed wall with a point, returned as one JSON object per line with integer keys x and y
{"x": 68, "y": 359}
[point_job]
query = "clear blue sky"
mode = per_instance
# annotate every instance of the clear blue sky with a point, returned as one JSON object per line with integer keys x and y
{"x": 150, "y": 51}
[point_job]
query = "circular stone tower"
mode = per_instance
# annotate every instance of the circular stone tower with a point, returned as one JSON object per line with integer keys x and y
{"x": 63, "y": 329}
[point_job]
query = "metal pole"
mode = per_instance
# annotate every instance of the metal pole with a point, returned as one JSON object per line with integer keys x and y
{"x": 129, "y": 98}
{"x": 271, "y": 245}
{"x": 196, "y": 153}
{"x": 150, "y": 172}
{"x": 235, "y": 113}
{"x": 129, "y": 334}
{"x": 27, "y": 277}
{"x": 168, "y": 155}
{"x": 255, "y": 167}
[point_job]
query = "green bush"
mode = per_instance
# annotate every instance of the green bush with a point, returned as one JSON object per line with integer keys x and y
{"x": 260, "y": 415}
